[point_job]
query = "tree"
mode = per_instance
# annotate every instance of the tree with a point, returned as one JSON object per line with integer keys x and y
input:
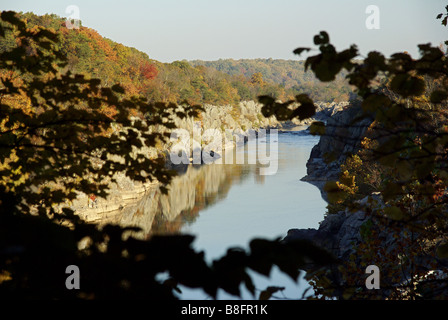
{"x": 149, "y": 71}
{"x": 257, "y": 79}
{"x": 61, "y": 133}
{"x": 409, "y": 145}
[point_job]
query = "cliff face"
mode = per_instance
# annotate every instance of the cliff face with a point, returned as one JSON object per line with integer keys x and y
{"x": 342, "y": 232}
{"x": 227, "y": 126}
{"x": 154, "y": 212}
{"x": 126, "y": 193}
{"x": 336, "y": 232}
{"x": 218, "y": 128}
{"x": 135, "y": 203}
{"x": 341, "y": 138}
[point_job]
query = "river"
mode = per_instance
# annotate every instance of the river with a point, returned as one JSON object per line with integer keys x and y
{"x": 227, "y": 205}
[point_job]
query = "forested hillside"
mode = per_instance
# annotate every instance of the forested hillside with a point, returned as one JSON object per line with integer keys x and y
{"x": 62, "y": 133}
{"x": 91, "y": 54}
{"x": 289, "y": 74}
{"x": 219, "y": 82}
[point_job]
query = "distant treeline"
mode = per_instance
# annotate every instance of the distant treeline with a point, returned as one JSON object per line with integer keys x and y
{"x": 219, "y": 82}
{"x": 289, "y": 74}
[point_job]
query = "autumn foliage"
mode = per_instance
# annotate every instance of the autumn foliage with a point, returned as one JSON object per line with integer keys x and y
{"x": 398, "y": 178}
{"x": 148, "y": 70}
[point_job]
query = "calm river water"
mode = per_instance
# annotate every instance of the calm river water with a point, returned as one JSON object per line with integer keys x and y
{"x": 227, "y": 205}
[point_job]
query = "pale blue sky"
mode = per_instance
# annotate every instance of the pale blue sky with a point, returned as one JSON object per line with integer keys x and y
{"x": 171, "y": 30}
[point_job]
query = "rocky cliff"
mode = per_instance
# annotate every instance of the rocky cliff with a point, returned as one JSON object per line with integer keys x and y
{"x": 337, "y": 232}
{"x": 342, "y": 137}
{"x": 232, "y": 123}
{"x": 342, "y": 232}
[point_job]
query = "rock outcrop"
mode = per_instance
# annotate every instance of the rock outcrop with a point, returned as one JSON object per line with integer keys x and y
{"x": 229, "y": 123}
{"x": 153, "y": 211}
{"x": 337, "y": 232}
{"x": 340, "y": 139}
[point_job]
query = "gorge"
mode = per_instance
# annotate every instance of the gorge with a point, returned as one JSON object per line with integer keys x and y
{"x": 251, "y": 178}
{"x": 227, "y": 205}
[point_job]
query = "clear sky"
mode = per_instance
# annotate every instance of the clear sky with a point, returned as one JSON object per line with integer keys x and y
{"x": 170, "y": 30}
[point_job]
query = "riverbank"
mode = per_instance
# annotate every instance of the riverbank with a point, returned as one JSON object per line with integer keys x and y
{"x": 342, "y": 233}
{"x": 237, "y": 120}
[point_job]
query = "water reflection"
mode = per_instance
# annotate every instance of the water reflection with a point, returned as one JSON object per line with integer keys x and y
{"x": 198, "y": 187}
{"x": 227, "y": 205}
{"x": 192, "y": 191}
{"x": 263, "y": 206}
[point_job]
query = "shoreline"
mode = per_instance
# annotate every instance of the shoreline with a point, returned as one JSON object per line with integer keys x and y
{"x": 126, "y": 193}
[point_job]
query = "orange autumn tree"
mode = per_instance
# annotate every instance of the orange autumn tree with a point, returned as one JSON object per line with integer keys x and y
{"x": 149, "y": 71}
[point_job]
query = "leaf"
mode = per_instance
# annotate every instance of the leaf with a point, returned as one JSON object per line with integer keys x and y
{"x": 11, "y": 17}
{"x": 321, "y": 38}
{"x": 407, "y": 85}
{"x": 172, "y": 284}
{"x": 326, "y": 69}
{"x": 376, "y": 59}
{"x": 392, "y": 190}
{"x": 260, "y": 256}
{"x": 230, "y": 270}
{"x": 268, "y": 105}
{"x": 299, "y": 51}
{"x": 334, "y": 193}
{"x": 374, "y": 102}
{"x": 347, "y": 179}
{"x": 317, "y": 128}
{"x": 430, "y": 53}
{"x": 439, "y": 15}
{"x": 306, "y": 110}
{"x": 329, "y": 157}
{"x": 424, "y": 169}
{"x": 405, "y": 170}
{"x": 442, "y": 251}
{"x": 437, "y": 96}
{"x": 249, "y": 284}
{"x": 394, "y": 213}
{"x": 163, "y": 190}
{"x": 267, "y": 294}
{"x": 348, "y": 293}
